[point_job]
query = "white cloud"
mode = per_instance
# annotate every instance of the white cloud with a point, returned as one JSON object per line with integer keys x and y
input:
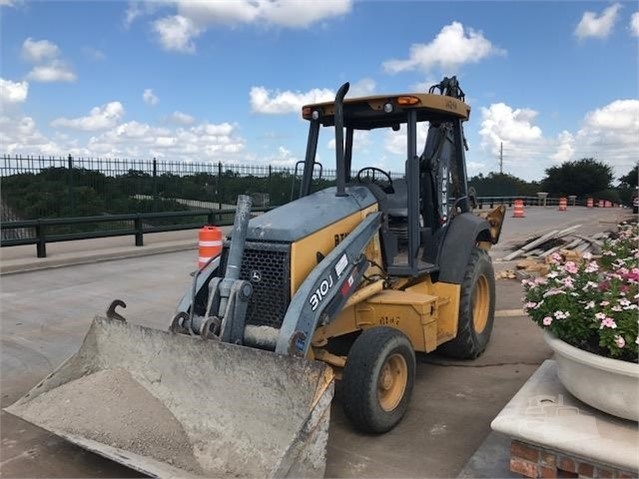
{"x": 48, "y": 65}
{"x": 56, "y": 71}
{"x": 364, "y": 87}
{"x": 598, "y": 26}
{"x": 284, "y": 13}
{"x": 282, "y": 158}
{"x": 180, "y": 118}
{"x": 302, "y": 14}
{"x": 565, "y": 147}
{"x": 395, "y": 142}
{"x": 138, "y": 9}
{"x": 149, "y": 98}
{"x": 452, "y": 47}
{"x": 501, "y": 123}
{"x": 276, "y": 102}
{"x": 13, "y": 92}
{"x": 608, "y": 134}
{"x": 634, "y": 24}
{"x": 39, "y": 50}
{"x": 99, "y": 118}
{"x": 204, "y": 142}
{"x": 176, "y": 33}
{"x": 21, "y": 136}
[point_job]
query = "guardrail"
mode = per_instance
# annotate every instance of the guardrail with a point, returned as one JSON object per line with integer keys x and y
{"x": 139, "y": 229}
{"x": 213, "y": 217}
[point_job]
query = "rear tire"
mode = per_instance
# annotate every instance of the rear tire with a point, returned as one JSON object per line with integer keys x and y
{"x": 476, "y": 309}
{"x": 378, "y": 379}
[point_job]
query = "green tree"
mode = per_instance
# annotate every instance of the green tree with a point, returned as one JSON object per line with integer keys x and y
{"x": 582, "y": 178}
{"x": 502, "y": 184}
{"x": 631, "y": 179}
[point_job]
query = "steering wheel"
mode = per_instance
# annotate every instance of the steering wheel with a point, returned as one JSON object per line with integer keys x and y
{"x": 371, "y": 174}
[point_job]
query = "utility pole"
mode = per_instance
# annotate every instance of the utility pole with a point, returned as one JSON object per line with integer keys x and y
{"x": 501, "y": 157}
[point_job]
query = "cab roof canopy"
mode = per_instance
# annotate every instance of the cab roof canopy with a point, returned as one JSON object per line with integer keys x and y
{"x": 387, "y": 111}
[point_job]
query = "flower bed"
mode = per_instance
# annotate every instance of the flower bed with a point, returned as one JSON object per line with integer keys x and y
{"x": 592, "y": 304}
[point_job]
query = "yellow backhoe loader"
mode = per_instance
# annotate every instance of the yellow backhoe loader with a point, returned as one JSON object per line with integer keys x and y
{"x": 345, "y": 283}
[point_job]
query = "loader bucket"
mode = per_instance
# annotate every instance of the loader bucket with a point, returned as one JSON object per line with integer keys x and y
{"x": 172, "y": 405}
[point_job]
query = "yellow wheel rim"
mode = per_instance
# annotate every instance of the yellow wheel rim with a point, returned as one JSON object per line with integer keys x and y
{"x": 392, "y": 382}
{"x": 481, "y": 304}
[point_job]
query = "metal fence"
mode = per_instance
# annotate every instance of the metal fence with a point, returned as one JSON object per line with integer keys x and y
{"x": 40, "y": 187}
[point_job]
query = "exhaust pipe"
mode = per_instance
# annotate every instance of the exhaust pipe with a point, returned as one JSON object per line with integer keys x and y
{"x": 339, "y": 139}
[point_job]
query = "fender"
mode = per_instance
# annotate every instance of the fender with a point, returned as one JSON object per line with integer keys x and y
{"x": 461, "y": 236}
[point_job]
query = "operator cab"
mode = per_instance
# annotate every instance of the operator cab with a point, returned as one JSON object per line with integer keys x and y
{"x": 416, "y": 206}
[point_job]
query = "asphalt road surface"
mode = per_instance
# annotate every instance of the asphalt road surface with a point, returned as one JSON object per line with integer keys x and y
{"x": 45, "y": 314}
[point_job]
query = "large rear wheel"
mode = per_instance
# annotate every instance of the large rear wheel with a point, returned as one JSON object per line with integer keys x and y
{"x": 378, "y": 379}
{"x": 476, "y": 309}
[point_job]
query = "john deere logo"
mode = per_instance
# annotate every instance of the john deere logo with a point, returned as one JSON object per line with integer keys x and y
{"x": 256, "y": 276}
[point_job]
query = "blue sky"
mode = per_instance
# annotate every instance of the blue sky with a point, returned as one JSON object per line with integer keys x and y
{"x": 224, "y": 80}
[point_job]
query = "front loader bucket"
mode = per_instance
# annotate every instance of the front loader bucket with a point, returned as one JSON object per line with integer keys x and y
{"x": 171, "y": 405}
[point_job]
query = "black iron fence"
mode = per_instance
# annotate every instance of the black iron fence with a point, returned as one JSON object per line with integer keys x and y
{"x": 39, "y": 187}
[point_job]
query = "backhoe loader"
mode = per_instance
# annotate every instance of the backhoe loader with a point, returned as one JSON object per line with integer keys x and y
{"x": 346, "y": 283}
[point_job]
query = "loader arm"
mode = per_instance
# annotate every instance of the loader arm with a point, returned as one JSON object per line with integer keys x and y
{"x": 323, "y": 293}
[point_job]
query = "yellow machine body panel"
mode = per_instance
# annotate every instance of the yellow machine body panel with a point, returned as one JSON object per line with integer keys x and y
{"x": 426, "y": 312}
{"x": 304, "y": 252}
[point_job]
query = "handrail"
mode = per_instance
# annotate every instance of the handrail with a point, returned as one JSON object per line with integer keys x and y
{"x": 139, "y": 228}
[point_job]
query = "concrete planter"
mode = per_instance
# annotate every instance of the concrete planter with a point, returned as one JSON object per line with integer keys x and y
{"x": 610, "y": 385}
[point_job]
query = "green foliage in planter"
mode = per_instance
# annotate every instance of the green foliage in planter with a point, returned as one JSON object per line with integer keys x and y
{"x": 592, "y": 304}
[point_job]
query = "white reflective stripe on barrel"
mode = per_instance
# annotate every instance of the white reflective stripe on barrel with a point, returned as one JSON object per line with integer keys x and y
{"x": 211, "y": 243}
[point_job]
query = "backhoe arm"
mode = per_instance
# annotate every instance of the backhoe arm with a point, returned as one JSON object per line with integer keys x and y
{"x": 323, "y": 293}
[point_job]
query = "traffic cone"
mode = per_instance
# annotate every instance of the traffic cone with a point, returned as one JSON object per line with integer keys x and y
{"x": 563, "y": 204}
{"x": 209, "y": 244}
{"x": 518, "y": 211}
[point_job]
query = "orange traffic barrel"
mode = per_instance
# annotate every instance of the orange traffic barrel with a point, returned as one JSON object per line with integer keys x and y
{"x": 590, "y": 203}
{"x": 608, "y": 204}
{"x": 563, "y": 204}
{"x": 518, "y": 211}
{"x": 601, "y": 203}
{"x": 210, "y": 244}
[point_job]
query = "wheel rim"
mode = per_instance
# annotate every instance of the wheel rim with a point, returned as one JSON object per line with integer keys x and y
{"x": 481, "y": 303}
{"x": 392, "y": 381}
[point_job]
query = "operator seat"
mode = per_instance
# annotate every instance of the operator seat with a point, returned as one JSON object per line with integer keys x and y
{"x": 397, "y": 202}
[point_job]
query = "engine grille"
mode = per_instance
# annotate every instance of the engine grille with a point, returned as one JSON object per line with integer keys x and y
{"x": 266, "y": 266}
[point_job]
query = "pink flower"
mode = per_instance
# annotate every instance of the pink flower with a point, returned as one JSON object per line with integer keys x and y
{"x": 604, "y": 303}
{"x": 571, "y": 267}
{"x": 568, "y": 282}
{"x": 587, "y": 256}
{"x": 590, "y": 305}
{"x": 592, "y": 267}
{"x": 561, "y": 314}
{"x": 555, "y": 257}
{"x": 608, "y": 323}
{"x": 600, "y": 316}
{"x": 619, "y": 341}
{"x": 530, "y": 305}
{"x": 547, "y": 321}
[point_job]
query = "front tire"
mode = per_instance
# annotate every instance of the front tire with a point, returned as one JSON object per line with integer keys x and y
{"x": 378, "y": 379}
{"x": 476, "y": 309}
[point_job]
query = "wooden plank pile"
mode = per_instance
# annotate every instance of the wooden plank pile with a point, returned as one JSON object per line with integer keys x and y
{"x": 535, "y": 254}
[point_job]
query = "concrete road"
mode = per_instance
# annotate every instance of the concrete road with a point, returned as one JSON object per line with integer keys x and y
{"x": 45, "y": 314}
